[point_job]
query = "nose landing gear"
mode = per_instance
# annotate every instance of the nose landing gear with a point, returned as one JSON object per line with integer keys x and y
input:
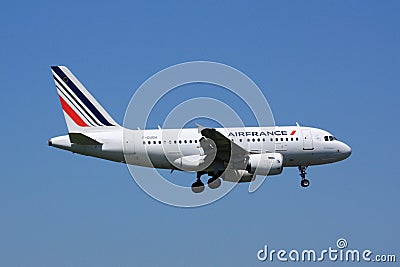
{"x": 304, "y": 182}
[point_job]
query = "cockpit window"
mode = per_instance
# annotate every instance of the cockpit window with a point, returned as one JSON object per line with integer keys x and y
{"x": 329, "y": 138}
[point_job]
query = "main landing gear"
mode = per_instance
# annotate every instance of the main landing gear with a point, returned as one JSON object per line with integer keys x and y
{"x": 213, "y": 183}
{"x": 198, "y": 186}
{"x": 304, "y": 182}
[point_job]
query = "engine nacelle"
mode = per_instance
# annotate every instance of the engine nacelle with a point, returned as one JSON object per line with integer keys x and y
{"x": 192, "y": 163}
{"x": 265, "y": 164}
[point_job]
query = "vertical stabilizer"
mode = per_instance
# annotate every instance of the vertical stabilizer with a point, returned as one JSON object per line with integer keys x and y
{"x": 81, "y": 110}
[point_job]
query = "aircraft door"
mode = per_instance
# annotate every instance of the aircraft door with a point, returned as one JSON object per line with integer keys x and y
{"x": 130, "y": 147}
{"x": 307, "y": 140}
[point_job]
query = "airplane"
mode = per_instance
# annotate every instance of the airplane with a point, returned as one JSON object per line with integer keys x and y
{"x": 229, "y": 154}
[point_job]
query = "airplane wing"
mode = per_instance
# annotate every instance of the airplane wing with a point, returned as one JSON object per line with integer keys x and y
{"x": 226, "y": 150}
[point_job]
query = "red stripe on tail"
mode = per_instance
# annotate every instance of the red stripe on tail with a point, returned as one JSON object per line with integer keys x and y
{"x": 72, "y": 114}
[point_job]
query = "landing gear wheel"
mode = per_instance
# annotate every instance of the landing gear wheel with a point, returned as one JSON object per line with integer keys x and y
{"x": 305, "y": 183}
{"x": 197, "y": 187}
{"x": 214, "y": 182}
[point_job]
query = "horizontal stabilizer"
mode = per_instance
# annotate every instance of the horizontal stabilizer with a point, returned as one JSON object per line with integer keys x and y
{"x": 81, "y": 139}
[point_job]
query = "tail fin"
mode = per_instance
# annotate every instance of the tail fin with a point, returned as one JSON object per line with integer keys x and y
{"x": 81, "y": 111}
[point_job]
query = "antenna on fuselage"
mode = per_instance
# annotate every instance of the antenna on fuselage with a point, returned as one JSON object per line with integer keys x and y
{"x": 199, "y": 127}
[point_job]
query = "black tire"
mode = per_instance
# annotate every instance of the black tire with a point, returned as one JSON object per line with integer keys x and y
{"x": 305, "y": 183}
{"x": 214, "y": 183}
{"x": 197, "y": 187}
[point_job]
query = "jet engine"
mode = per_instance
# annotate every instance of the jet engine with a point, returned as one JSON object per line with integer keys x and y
{"x": 192, "y": 163}
{"x": 265, "y": 164}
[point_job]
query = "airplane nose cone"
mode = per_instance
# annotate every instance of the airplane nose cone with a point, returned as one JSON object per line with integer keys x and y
{"x": 345, "y": 150}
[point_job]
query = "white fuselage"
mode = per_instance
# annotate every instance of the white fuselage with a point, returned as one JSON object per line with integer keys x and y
{"x": 159, "y": 148}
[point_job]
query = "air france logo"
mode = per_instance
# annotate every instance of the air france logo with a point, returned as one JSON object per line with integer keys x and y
{"x": 261, "y": 133}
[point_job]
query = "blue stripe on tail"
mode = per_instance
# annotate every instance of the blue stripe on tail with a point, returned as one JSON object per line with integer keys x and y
{"x": 81, "y": 96}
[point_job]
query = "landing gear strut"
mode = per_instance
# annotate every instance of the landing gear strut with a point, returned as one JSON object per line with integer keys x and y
{"x": 198, "y": 186}
{"x": 304, "y": 182}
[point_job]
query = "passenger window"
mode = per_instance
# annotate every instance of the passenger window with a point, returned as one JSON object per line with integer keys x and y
{"x": 276, "y": 139}
{"x": 263, "y": 139}
{"x": 240, "y": 140}
{"x": 297, "y": 139}
{"x": 180, "y": 141}
{"x": 159, "y": 142}
{"x": 258, "y": 139}
{"x": 154, "y": 142}
{"x": 287, "y": 139}
{"x": 169, "y": 142}
{"x": 174, "y": 141}
{"x": 248, "y": 140}
{"x": 291, "y": 139}
{"x": 144, "y": 142}
{"x": 272, "y": 139}
{"x": 149, "y": 142}
{"x": 190, "y": 141}
{"x": 185, "y": 142}
{"x": 281, "y": 139}
{"x": 195, "y": 141}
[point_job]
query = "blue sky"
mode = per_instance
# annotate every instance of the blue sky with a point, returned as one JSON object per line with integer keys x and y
{"x": 330, "y": 64}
